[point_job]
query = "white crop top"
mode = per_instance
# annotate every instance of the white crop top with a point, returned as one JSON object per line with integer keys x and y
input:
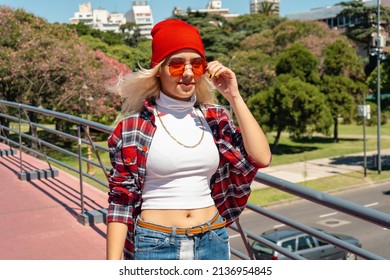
{"x": 178, "y": 177}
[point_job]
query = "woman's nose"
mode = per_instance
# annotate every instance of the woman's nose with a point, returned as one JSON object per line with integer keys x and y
{"x": 186, "y": 68}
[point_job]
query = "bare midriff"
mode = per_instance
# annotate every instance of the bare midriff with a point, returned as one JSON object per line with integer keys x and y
{"x": 180, "y": 218}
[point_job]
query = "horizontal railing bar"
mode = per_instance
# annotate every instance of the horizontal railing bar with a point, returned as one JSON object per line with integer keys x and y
{"x": 314, "y": 232}
{"x": 54, "y": 131}
{"x": 239, "y": 254}
{"x": 57, "y": 148}
{"x": 353, "y": 209}
{"x": 66, "y": 117}
{"x": 104, "y": 184}
{"x": 268, "y": 243}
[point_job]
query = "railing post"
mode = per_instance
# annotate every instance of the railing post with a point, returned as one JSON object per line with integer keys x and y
{"x": 20, "y": 139}
{"x": 80, "y": 169}
{"x": 244, "y": 239}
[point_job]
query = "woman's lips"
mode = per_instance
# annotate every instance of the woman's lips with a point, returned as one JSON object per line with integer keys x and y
{"x": 186, "y": 86}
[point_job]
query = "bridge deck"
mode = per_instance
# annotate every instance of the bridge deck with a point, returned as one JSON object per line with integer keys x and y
{"x": 39, "y": 218}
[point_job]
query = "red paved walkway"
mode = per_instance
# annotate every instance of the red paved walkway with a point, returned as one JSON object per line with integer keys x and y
{"x": 39, "y": 218}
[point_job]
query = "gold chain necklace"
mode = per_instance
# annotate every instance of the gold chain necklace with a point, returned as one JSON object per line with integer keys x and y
{"x": 178, "y": 142}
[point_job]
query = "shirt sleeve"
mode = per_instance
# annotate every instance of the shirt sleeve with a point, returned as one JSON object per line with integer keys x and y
{"x": 123, "y": 193}
{"x": 231, "y": 183}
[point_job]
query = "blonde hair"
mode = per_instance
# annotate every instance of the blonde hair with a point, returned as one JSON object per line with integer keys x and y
{"x": 143, "y": 84}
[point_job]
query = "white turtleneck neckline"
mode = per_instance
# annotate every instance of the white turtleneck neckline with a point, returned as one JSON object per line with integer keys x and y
{"x": 175, "y": 105}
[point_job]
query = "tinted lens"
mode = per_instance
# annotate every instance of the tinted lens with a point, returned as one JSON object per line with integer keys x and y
{"x": 198, "y": 67}
{"x": 176, "y": 67}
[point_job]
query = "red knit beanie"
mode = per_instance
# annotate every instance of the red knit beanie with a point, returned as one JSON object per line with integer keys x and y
{"x": 170, "y": 36}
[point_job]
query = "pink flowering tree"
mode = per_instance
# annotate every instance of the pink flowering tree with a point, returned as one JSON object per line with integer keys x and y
{"x": 48, "y": 65}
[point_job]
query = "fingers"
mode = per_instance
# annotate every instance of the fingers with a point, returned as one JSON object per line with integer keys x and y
{"x": 215, "y": 69}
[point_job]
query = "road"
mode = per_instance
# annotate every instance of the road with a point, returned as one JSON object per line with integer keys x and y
{"x": 373, "y": 238}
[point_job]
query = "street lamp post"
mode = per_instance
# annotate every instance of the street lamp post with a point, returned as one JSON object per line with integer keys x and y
{"x": 379, "y": 43}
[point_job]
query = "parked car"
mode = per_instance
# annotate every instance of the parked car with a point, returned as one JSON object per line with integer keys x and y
{"x": 307, "y": 246}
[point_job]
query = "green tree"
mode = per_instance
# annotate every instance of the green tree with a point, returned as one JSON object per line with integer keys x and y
{"x": 109, "y": 37}
{"x": 384, "y": 90}
{"x": 364, "y": 19}
{"x": 341, "y": 59}
{"x": 254, "y": 70}
{"x": 48, "y": 65}
{"x": 291, "y": 105}
{"x": 339, "y": 100}
{"x": 253, "y": 23}
{"x": 267, "y": 8}
{"x": 298, "y": 61}
{"x": 343, "y": 82}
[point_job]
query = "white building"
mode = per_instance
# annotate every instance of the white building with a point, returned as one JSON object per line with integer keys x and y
{"x": 212, "y": 7}
{"x": 141, "y": 15}
{"x": 256, "y": 4}
{"x": 98, "y": 18}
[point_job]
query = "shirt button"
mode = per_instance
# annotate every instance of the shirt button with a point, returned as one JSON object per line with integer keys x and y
{"x": 127, "y": 160}
{"x": 144, "y": 149}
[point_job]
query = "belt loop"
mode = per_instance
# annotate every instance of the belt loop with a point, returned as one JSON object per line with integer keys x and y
{"x": 210, "y": 230}
{"x": 173, "y": 236}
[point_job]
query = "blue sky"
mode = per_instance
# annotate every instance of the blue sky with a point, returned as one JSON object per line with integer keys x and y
{"x": 62, "y": 10}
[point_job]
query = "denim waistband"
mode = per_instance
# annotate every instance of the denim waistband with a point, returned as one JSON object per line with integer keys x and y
{"x": 208, "y": 226}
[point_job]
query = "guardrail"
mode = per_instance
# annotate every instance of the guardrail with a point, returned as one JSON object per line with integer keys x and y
{"x": 31, "y": 142}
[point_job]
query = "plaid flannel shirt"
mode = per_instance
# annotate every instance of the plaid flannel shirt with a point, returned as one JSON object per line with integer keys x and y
{"x": 129, "y": 145}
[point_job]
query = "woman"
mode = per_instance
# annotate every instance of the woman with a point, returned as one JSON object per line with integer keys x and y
{"x": 180, "y": 171}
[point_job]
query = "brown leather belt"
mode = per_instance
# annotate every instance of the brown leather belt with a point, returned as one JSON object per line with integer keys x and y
{"x": 188, "y": 231}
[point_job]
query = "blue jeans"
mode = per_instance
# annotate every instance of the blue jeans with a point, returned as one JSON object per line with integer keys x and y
{"x": 156, "y": 245}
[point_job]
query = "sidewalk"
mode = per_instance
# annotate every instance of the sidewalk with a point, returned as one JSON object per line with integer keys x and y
{"x": 314, "y": 169}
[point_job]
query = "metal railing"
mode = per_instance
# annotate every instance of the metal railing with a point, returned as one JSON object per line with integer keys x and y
{"x": 80, "y": 133}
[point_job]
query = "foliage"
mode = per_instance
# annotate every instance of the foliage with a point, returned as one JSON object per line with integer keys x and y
{"x": 343, "y": 82}
{"x": 253, "y": 23}
{"x": 298, "y": 61}
{"x": 384, "y": 84}
{"x": 291, "y": 105}
{"x": 47, "y": 65}
{"x": 109, "y": 37}
{"x": 128, "y": 47}
{"x": 254, "y": 69}
{"x": 267, "y": 8}
{"x": 341, "y": 59}
{"x": 365, "y": 20}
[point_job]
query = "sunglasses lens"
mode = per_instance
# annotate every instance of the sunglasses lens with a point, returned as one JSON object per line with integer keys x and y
{"x": 198, "y": 67}
{"x": 176, "y": 67}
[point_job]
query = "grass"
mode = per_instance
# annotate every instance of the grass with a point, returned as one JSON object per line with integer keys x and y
{"x": 304, "y": 149}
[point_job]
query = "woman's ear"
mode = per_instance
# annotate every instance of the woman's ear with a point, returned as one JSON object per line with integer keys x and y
{"x": 158, "y": 74}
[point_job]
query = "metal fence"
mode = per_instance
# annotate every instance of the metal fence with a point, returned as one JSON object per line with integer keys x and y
{"x": 17, "y": 129}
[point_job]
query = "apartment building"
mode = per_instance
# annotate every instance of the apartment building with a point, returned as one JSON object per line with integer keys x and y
{"x": 102, "y": 19}
{"x": 98, "y": 18}
{"x": 141, "y": 15}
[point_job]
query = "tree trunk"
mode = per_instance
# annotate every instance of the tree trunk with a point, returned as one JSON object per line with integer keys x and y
{"x": 335, "y": 130}
{"x": 277, "y": 139}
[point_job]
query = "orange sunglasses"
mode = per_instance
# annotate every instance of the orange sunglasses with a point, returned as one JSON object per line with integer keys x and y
{"x": 177, "y": 66}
